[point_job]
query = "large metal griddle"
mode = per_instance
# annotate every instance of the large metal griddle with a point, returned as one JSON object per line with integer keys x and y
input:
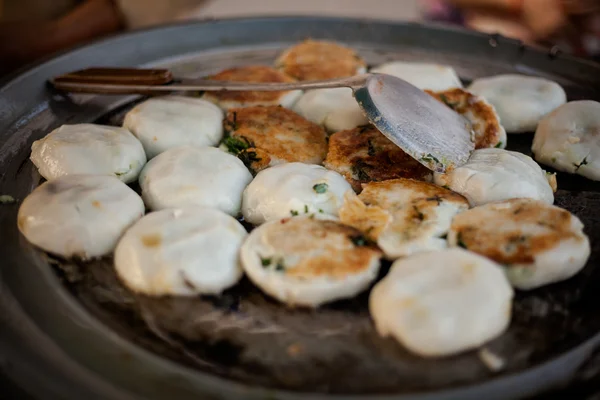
{"x": 70, "y": 330}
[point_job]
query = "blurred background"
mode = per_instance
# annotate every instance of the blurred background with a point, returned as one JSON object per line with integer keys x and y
{"x": 30, "y": 29}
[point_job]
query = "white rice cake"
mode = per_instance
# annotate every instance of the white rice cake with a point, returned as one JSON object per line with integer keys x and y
{"x": 162, "y": 123}
{"x": 89, "y": 149}
{"x": 497, "y": 174}
{"x": 567, "y": 139}
{"x": 194, "y": 176}
{"x": 536, "y": 242}
{"x": 442, "y": 303}
{"x": 293, "y": 189}
{"x": 81, "y": 216}
{"x": 425, "y": 76}
{"x": 183, "y": 252}
{"x": 403, "y": 216}
{"x": 227, "y": 99}
{"x": 335, "y": 109}
{"x": 521, "y": 101}
{"x": 485, "y": 122}
{"x": 309, "y": 260}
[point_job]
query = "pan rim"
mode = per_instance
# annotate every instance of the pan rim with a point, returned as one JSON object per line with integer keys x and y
{"x": 581, "y": 349}
{"x": 20, "y": 72}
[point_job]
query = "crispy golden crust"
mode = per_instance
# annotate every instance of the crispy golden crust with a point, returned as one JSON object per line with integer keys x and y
{"x": 364, "y": 155}
{"x": 316, "y": 60}
{"x": 369, "y": 219}
{"x": 483, "y": 117}
{"x": 513, "y": 231}
{"x": 325, "y": 248}
{"x": 152, "y": 240}
{"x": 552, "y": 181}
{"x": 412, "y": 204}
{"x": 279, "y": 132}
{"x": 399, "y": 205}
{"x": 255, "y": 159}
{"x": 386, "y": 194}
{"x": 21, "y": 222}
{"x": 251, "y": 73}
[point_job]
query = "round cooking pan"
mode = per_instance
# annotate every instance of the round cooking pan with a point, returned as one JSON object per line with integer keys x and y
{"x": 71, "y": 331}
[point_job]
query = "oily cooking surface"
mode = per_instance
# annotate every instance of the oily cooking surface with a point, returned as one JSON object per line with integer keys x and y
{"x": 246, "y": 336}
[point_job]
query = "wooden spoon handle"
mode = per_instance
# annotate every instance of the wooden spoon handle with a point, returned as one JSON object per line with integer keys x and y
{"x": 150, "y": 81}
{"x": 117, "y": 76}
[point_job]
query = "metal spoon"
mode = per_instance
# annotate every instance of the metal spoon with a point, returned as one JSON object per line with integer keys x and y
{"x": 424, "y": 128}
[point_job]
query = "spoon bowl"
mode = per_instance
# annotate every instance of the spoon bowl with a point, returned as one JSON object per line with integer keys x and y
{"x": 423, "y": 127}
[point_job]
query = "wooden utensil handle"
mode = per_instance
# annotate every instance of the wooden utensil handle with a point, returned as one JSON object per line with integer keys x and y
{"x": 156, "y": 81}
{"x": 118, "y": 76}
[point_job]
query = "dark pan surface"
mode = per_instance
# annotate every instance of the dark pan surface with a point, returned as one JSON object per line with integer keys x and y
{"x": 246, "y": 337}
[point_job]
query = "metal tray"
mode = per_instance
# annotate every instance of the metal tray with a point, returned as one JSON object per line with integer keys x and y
{"x": 72, "y": 331}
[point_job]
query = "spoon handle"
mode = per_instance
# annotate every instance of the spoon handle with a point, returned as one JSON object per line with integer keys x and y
{"x": 133, "y": 81}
